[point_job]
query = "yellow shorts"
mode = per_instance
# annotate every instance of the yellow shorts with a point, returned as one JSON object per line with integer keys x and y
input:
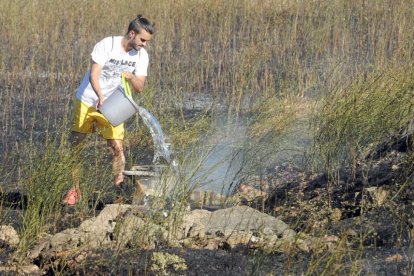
{"x": 86, "y": 119}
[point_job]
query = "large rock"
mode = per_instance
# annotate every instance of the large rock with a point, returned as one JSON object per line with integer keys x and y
{"x": 240, "y": 225}
{"x": 117, "y": 225}
{"x": 247, "y": 219}
{"x": 91, "y": 233}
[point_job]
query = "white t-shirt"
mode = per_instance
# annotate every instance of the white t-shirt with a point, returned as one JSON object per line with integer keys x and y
{"x": 109, "y": 53}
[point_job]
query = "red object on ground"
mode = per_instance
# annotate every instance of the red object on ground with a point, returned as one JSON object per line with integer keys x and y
{"x": 72, "y": 197}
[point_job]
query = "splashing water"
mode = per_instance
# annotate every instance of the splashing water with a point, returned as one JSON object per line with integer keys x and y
{"x": 162, "y": 149}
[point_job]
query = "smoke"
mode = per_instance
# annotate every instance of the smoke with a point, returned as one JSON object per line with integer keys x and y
{"x": 234, "y": 157}
{"x": 223, "y": 167}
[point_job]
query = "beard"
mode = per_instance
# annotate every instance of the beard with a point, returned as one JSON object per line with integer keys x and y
{"x": 134, "y": 46}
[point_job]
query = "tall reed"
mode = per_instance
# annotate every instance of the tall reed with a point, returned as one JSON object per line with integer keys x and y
{"x": 242, "y": 54}
{"x": 354, "y": 119}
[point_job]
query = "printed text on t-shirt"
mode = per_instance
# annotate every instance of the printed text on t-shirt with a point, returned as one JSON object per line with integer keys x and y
{"x": 122, "y": 62}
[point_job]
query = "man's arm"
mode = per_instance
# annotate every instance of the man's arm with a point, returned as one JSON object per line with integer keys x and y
{"x": 137, "y": 82}
{"x": 96, "y": 70}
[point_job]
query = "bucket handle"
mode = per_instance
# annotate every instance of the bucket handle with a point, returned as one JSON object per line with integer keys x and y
{"x": 126, "y": 86}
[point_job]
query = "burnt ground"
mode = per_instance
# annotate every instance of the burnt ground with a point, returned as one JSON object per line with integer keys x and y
{"x": 377, "y": 193}
{"x": 221, "y": 262}
{"x": 365, "y": 211}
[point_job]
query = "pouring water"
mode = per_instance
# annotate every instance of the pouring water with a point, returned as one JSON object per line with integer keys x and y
{"x": 162, "y": 149}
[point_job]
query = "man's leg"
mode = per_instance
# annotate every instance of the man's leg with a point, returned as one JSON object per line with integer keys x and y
{"x": 118, "y": 160}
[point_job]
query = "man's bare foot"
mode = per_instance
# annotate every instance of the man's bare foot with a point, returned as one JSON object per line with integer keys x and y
{"x": 119, "y": 180}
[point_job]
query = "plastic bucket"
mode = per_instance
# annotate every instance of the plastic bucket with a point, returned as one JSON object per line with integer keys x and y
{"x": 118, "y": 108}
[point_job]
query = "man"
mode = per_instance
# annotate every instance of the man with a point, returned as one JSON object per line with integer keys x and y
{"x": 111, "y": 57}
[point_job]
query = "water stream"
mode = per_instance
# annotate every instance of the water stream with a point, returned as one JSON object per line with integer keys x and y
{"x": 162, "y": 149}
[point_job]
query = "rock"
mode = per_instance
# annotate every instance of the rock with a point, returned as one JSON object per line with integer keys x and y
{"x": 9, "y": 236}
{"x": 127, "y": 230}
{"x": 96, "y": 231}
{"x": 105, "y": 229}
{"x": 379, "y": 194}
{"x": 330, "y": 238}
{"x": 397, "y": 258}
{"x": 105, "y": 220}
{"x": 191, "y": 219}
{"x": 196, "y": 230}
{"x": 240, "y": 225}
{"x": 303, "y": 245}
{"x": 240, "y": 238}
{"x": 43, "y": 245}
{"x": 134, "y": 231}
{"x": 29, "y": 269}
{"x": 91, "y": 233}
{"x": 222, "y": 229}
{"x": 245, "y": 219}
{"x": 81, "y": 257}
{"x": 68, "y": 238}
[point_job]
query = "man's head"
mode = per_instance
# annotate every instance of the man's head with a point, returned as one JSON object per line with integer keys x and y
{"x": 139, "y": 32}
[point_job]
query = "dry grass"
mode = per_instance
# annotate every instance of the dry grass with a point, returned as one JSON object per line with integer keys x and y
{"x": 240, "y": 51}
{"x": 269, "y": 58}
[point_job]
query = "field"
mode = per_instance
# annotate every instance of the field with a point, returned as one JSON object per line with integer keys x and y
{"x": 246, "y": 86}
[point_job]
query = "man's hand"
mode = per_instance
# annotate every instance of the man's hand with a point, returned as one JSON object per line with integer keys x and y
{"x": 137, "y": 82}
{"x": 100, "y": 102}
{"x": 128, "y": 75}
{"x": 94, "y": 80}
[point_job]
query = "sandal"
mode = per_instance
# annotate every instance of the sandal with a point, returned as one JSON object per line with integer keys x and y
{"x": 72, "y": 197}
